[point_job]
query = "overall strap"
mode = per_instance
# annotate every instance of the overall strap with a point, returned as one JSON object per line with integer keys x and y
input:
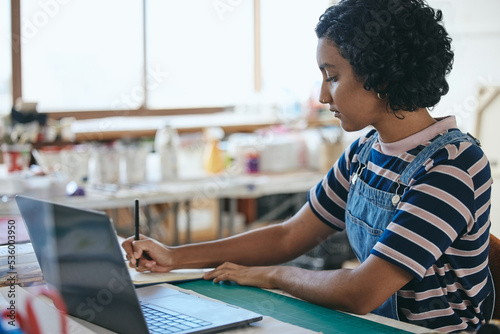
{"x": 429, "y": 150}
{"x": 365, "y": 150}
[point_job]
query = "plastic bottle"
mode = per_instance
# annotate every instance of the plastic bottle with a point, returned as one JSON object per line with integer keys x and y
{"x": 166, "y": 144}
{"x": 213, "y": 157}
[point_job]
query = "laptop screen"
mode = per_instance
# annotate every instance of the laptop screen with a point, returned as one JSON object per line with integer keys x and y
{"x": 80, "y": 256}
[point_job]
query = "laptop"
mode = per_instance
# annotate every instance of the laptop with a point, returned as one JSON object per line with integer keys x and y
{"x": 79, "y": 255}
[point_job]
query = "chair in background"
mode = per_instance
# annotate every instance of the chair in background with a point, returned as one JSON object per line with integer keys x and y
{"x": 494, "y": 262}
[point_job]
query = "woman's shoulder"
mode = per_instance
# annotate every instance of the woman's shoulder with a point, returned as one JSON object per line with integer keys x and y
{"x": 464, "y": 149}
{"x": 463, "y": 158}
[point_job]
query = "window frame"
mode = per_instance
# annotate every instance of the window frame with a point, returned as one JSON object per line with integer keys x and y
{"x": 17, "y": 91}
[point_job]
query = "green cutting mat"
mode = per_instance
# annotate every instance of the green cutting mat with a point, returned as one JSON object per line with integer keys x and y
{"x": 286, "y": 309}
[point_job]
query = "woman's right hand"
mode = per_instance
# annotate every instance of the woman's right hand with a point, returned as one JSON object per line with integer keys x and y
{"x": 152, "y": 255}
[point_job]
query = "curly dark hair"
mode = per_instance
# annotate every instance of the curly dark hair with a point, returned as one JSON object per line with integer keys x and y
{"x": 398, "y": 48}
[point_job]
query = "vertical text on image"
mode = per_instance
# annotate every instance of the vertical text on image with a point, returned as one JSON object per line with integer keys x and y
{"x": 11, "y": 264}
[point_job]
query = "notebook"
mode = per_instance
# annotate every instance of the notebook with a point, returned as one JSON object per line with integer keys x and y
{"x": 80, "y": 256}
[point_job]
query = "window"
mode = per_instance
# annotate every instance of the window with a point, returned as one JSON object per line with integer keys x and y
{"x": 156, "y": 54}
{"x": 5, "y": 59}
{"x": 202, "y": 51}
{"x": 82, "y": 55}
{"x": 289, "y": 68}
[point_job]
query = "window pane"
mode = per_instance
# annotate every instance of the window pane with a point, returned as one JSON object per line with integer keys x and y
{"x": 289, "y": 69}
{"x": 5, "y": 58}
{"x": 82, "y": 55}
{"x": 203, "y": 48}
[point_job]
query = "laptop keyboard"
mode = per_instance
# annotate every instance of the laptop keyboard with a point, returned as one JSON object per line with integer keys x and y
{"x": 168, "y": 321}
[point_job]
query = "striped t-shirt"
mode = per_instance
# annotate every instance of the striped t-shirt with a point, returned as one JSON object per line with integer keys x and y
{"x": 440, "y": 230}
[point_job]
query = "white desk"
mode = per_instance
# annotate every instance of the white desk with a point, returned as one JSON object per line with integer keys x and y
{"x": 221, "y": 186}
{"x": 47, "y": 314}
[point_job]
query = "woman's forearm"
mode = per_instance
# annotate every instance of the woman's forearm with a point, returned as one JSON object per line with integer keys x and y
{"x": 258, "y": 247}
{"x": 270, "y": 245}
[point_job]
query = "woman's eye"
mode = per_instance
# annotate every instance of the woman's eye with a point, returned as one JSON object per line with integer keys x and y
{"x": 330, "y": 79}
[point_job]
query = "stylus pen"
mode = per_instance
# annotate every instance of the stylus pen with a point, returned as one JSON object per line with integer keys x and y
{"x": 136, "y": 217}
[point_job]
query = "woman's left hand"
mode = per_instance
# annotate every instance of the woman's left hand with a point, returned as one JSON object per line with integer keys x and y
{"x": 261, "y": 277}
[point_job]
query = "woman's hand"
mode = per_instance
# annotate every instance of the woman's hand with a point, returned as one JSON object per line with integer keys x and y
{"x": 261, "y": 277}
{"x": 152, "y": 255}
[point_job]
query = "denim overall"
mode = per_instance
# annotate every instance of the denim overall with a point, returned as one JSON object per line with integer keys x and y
{"x": 369, "y": 211}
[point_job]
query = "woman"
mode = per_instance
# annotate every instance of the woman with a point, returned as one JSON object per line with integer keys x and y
{"x": 413, "y": 193}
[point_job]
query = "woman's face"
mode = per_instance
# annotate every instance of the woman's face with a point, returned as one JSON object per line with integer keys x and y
{"x": 355, "y": 107}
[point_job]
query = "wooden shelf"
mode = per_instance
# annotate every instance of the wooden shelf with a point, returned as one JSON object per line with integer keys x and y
{"x": 137, "y": 127}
